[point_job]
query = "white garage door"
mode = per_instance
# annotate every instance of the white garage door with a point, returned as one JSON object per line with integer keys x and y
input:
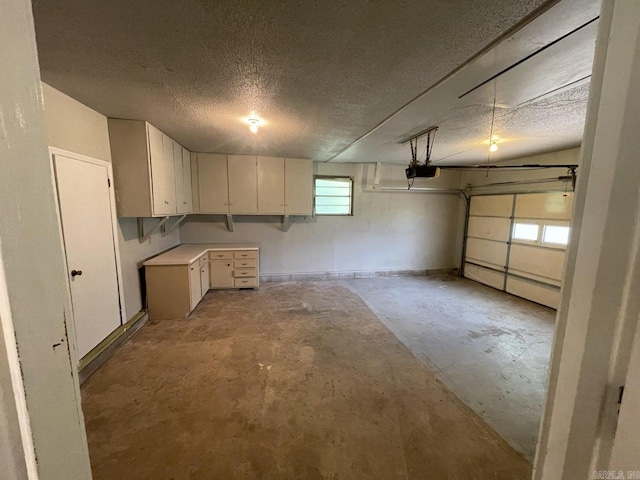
{"x": 517, "y": 242}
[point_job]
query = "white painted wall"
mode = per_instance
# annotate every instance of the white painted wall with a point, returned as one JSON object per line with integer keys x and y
{"x": 34, "y": 298}
{"x": 12, "y": 457}
{"x": 388, "y": 231}
{"x": 75, "y": 127}
{"x": 133, "y": 254}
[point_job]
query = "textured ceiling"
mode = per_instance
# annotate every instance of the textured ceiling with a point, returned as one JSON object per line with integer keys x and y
{"x": 538, "y": 78}
{"x": 321, "y": 73}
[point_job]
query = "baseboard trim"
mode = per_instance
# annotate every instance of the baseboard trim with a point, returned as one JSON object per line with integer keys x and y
{"x": 315, "y": 276}
{"x": 105, "y": 349}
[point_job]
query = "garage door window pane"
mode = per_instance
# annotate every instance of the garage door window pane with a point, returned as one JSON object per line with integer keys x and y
{"x": 556, "y": 234}
{"x": 526, "y": 231}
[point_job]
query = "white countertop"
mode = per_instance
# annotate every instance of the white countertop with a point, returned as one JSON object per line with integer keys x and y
{"x": 190, "y": 252}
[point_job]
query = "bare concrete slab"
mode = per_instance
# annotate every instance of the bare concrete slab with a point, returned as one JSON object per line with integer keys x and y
{"x": 293, "y": 381}
{"x": 490, "y": 348}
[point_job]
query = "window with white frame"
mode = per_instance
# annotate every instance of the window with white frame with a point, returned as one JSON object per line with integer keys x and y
{"x": 333, "y": 195}
{"x": 541, "y": 233}
{"x": 555, "y": 235}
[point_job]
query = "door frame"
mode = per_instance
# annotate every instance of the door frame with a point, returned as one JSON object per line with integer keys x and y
{"x": 53, "y": 151}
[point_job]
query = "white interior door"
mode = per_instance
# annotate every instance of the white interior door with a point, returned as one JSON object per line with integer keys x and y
{"x": 85, "y": 210}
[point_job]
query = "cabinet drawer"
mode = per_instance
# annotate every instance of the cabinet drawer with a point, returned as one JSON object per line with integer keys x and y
{"x": 220, "y": 255}
{"x": 245, "y": 254}
{"x": 203, "y": 260}
{"x": 244, "y": 272}
{"x": 245, "y": 263}
{"x": 245, "y": 282}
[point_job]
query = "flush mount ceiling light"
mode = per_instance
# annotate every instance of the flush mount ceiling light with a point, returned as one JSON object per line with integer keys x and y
{"x": 254, "y": 122}
{"x": 494, "y": 146}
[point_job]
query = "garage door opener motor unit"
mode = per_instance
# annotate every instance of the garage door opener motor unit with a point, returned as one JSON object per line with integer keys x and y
{"x": 415, "y": 168}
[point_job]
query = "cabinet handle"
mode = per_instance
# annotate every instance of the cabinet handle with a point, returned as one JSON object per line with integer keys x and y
{"x": 76, "y": 272}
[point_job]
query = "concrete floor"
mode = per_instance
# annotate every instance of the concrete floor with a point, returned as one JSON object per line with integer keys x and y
{"x": 294, "y": 381}
{"x": 490, "y": 348}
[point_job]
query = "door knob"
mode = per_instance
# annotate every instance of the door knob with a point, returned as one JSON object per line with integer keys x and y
{"x": 76, "y": 272}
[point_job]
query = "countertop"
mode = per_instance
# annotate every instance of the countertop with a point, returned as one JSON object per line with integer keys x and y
{"x": 188, "y": 253}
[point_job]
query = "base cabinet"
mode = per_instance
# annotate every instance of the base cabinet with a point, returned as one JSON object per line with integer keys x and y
{"x": 175, "y": 290}
{"x": 221, "y": 273}
{"x": 195, "y": 290}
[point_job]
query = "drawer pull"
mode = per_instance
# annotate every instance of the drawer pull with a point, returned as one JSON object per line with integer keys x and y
{"x": 220, "y": 255}
{"x": 243, "y": 255}
{"x": 243, "y": 264}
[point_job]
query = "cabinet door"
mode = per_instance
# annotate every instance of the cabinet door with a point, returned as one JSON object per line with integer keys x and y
{"x": 298, "y": 187}
{"x": 162, "y": 172}
{"x": 271, "y": 185}
{"x": 187, "y": 201}
{"x": 243, "y": 184}
{"x": 195, "y": 285}
{"x": 157, "y": 166}
{"x": 212, "y": 183}
{"x": 221, "y": 273}
{"x": 204, "y": 279}
{"x": 179, "y": 178}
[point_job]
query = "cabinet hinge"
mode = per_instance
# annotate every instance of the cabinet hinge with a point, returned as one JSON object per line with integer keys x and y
{"x": 620, "y": 394}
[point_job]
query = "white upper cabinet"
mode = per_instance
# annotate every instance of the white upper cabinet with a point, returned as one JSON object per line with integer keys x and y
{"x": 187, "y": 195}
{"x": 244, "y": 184}
{"x": 298, "y": 186}
{"x": 212, "y": 185}
{"x": 179, "y": 178}
{"x": 243, "y": 181}
{"x": 271, "y": 185}
{"x": 145, "y": 170}
{"x": 182, "y": 160}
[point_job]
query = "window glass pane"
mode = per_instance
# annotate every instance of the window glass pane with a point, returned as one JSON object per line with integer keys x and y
{"x": 333, "y": 191}
{"x": 555, "y": 234}
{"x": 333, "y": 182}
{"x": 525, "y": 231}
{"x": 332, "y": 201}
{"x": 333, "y": 210}
{"x": 333, "y": 196}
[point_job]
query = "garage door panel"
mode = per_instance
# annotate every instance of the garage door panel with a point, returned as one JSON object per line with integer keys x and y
{"x": 489, "y": 228}
{"x": 533, "y": 276}
{"x": 545, "y": 262}
{"x": 552, "y": 206}
{"x": 542, "y": 294}
{"x": 487, "y": 251}
{"x": 492, "y": 205}
{"x": 484, "y": 275}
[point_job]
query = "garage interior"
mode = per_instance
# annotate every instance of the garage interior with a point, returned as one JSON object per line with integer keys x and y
{"x": 303, "y": 240}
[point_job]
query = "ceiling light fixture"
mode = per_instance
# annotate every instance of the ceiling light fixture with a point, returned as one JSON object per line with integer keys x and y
{"x": 254, "y": 123}
{"x": 493, "y": 147}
